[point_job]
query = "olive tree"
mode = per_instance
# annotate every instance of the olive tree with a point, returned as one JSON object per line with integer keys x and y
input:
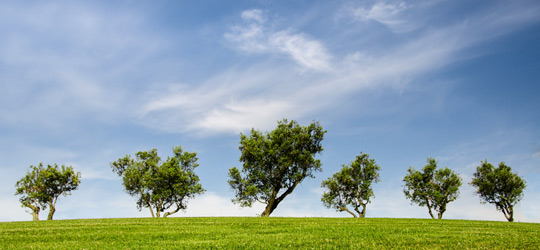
{"x": 352, "y": 186}
{"x": 432, "y": 187}
{"x": 158, "y": 184}
{"x": 41, "y": 187}
{"x": 499, "y": 186}
{"x": 275, "y": 163}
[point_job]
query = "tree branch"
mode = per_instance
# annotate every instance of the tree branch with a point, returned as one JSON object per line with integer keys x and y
{"x": 348, "y": 211}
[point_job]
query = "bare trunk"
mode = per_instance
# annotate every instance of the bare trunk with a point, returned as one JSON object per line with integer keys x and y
{"x": 270, "y": 206}
{"x": 363, "y": 213}
{"x": 52, "y": 209}
{"x": 35, "y": 211}
{"x": 172, "y": 212}
{"x": 441, "y": 211}
{"x": 151, "y": 211}
{"x": 35, "y": 215}
{"x": 274, "y": 202}
{"x": 508, "y": 213}
{"x": 348, "y": 211}
{"x": 430, "y": 213}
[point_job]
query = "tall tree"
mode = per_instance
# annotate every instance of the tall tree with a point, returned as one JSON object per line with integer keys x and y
{"x": 352, "y": 186}
{"x": 160, "y": 185}
{"x": 41, "y": 187}
{"x": 432, "y": 188}
{"x": 499, "y": 186}
{"x": 275, "y": 163}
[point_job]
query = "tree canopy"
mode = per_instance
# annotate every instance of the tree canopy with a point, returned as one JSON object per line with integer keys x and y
{"x": 41, "y": 187}
{"x": 158, "y": 184}
{"x": 352, "y": 186}
{"x": 432, "y": 187}
{"x": 275, "y": 163}
{"x": 499, "y": 186}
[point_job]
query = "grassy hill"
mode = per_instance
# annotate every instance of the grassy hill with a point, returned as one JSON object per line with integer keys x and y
{"x": 268, "y": 233}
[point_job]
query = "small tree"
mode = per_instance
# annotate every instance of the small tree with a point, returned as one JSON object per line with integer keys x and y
{"x": 41, "y": 187}
{"x": 30, "y": 187}
{"x": 275, "y": 163}
{"x": 432, "y": 188}
{"x": 160, "y": 185}
{"x": 499, "y": 186}
{"x": 352, "y": 186}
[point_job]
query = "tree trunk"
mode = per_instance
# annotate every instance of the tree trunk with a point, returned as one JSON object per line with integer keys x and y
{"x": 35, "y": 215}
{"x": 273, "y": 202}
{"x": 348, "y": 211}
{"x": 151, "y": 211}
{"x": 509, "y": 213}
{"x": 35, "y": 211}
{"x": 430, "y": 213}
{"x": 172, "y": 212}
{"x": 363, "y": 213}
{"x": 441, "y": 211}
{"x": 52, "y": 209}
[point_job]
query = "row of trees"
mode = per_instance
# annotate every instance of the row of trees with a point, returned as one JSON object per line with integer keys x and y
{"x": 433, "y": 188}
{"x": 274, "y": 164}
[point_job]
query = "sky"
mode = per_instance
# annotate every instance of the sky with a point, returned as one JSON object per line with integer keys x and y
{"x": 84, "y": 83}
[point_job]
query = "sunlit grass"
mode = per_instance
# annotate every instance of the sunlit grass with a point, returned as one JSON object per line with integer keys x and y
{"x": 268, "y": 233}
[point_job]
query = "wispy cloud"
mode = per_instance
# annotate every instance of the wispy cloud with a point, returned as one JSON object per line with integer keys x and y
{"x": 388, "y": 14}
{"x": 226, "y": 103}
{"x": 258, "y": 95}
{"x": 253, "y": 36}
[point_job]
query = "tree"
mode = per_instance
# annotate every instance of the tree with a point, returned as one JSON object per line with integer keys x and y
{"x": 499, "y": 186}
{"x": 352, "y": 186}
{"x": 41, "y": 187}
{"x": 160, "y": 185}
{"x": 30, "y": 187}
{"x": 432, "y": 188}
{"x": 275, "y": 163}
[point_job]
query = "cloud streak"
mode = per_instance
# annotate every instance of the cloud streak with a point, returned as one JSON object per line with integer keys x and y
{"x": 257, "y": 96}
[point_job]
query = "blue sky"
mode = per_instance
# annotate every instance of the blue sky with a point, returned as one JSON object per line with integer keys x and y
{"x": 85, "y": 83}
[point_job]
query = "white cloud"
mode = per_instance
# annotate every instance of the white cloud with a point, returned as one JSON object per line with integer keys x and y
{"x": 242, "y": 116}
{"x": 254, "y": 37}
{"x": 387, "y": 14}
{"x": 307, "y": 52}
{"x": 227, "y": 103}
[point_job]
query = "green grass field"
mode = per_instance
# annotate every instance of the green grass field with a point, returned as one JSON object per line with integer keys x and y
{"x": 268, "y": 233}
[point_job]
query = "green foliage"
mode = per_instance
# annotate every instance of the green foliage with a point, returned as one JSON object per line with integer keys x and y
{"x": 352, "y": 186}
{"x": 268, "y": 233}
{"x": 41, "y": 187}
{"x": 275, "y": 163}
{"x": 432, "y": 188}
{"x": 499, "y": 186}
{"x": 160, "y": 185}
